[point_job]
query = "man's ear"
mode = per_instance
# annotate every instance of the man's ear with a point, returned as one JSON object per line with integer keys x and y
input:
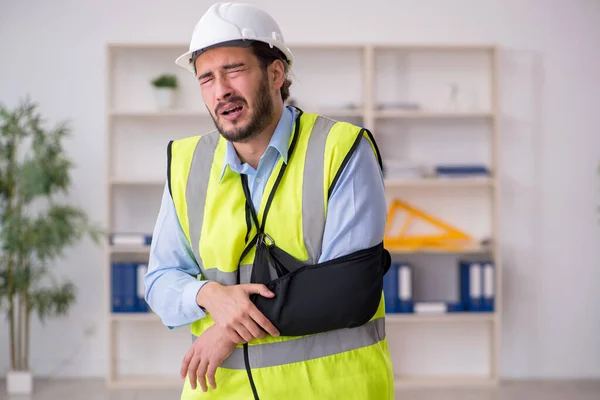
{"x": 277, "y": 73}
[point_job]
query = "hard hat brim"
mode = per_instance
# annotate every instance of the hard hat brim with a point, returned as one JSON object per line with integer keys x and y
{"x": 185, "y": 60}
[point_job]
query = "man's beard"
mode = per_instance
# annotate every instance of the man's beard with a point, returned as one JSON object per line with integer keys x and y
{"x": 259, "y": 119}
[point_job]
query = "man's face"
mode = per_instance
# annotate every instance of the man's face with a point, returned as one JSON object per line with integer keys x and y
{"x": 236, "y": 90}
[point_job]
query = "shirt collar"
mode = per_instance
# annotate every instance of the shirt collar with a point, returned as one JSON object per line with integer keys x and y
{"x": 279, "y": 142}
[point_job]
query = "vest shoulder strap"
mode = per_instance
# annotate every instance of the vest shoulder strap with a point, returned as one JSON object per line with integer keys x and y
{"x": 346, "y": 137}
{"x": 183, "y": 156}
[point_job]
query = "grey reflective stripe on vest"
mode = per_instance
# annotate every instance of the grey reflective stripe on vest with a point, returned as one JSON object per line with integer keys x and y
{"x": 313, "y": 211}
{"x": 197, "y": 186}
{"x": 229, "y": 278}
{"x": 308, "y": 347}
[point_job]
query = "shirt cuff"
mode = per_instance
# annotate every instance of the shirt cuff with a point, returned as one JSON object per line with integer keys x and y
{"x": 191, "y": 309}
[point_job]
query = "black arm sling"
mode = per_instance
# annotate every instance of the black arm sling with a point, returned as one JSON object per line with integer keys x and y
{"x": 344, "y": 292}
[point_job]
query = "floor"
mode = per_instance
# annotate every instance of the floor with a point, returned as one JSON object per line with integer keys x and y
{"x": 94, "y": 389}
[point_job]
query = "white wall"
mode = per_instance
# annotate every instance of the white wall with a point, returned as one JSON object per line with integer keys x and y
{"x": 55, "y": 52}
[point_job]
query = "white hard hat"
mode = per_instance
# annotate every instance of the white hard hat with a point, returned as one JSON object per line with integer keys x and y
{"x": 230, "y": 23}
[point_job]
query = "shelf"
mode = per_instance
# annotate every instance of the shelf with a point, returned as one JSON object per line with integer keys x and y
{"x": 445, "y": 47}
{"x": 390, "y": 318}
{"x": 428, "y": 382}
{"x": 472, "y": 250}
{"x": 390, "y": 183}
{"x": 145, "y": 382}
{"x": 159, "y": 113}
{"x": 393, "y": 183}
{"x": 416, "y": 114}
{"x": 136, "y": 182}
{"x": 136, "y": 317}
{"x": 130, "y": 250}
{"x": 148, "y": 45}
{"x": 431, "y": 318}
{"x": 454, "y": 47}
{"x": 339, "y": 112}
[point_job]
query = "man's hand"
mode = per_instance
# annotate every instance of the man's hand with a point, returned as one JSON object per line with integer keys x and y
{"x": 231, "y": 309}
{"x": 205, "y": 355}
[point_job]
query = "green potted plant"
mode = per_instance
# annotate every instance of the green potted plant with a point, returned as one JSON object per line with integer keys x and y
{"x": 165, "y": 86}
{"x": 35, "y": 229}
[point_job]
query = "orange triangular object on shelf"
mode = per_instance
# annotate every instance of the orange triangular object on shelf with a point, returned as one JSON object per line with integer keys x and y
{"x": 447, "y": 238}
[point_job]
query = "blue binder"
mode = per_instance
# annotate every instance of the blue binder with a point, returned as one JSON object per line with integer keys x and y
{"x": 141, "y": 305}
{"x": 454, "y": 307}
{"x": 405, "y": 289}
{"x": 129, "y": 285}
{"x": 124, "y": 292}
{"x": 471, "y": 286}
{"x": 117, "y": 287}
{"x": 489, "y": 284}
{"x": 390, "y": 289}
{"x": 397, "y": 289}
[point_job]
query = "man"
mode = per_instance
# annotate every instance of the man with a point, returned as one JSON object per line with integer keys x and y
{"x": 320, "y": 184}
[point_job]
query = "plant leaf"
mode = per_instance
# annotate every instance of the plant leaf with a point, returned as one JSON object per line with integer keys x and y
{"x": 52, "y": 301}
{"x": 60, "y": 226}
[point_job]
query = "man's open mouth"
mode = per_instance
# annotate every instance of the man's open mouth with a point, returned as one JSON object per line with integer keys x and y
{"x": 231, "y": 109}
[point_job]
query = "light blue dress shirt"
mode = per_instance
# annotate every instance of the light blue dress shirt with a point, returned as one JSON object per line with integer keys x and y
{"x": 356, "y": 218}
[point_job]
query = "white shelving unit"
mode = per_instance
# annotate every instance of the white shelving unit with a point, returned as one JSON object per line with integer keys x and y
{"x": 345, "y": 82}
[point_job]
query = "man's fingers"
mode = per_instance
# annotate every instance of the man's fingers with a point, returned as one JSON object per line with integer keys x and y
{"x": 254, "y": 329}
{"x": 243, "y": 332}
{"x": 257, "y": 288}
{"x": 202, "y": 374}
{"x": 192, "y": 371}
{"x": 233, "y": 336}
{"x": 210, "y": 374}
{"x": 186, "y": 362}
{"x": 264, "y": 322}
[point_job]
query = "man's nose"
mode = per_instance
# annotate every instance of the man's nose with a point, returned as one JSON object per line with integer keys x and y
{"x": 224, "y": 90}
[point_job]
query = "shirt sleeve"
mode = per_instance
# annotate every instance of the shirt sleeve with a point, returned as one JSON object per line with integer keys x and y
{"x": 357, "y": 208}
{"x": 171, "y": 281}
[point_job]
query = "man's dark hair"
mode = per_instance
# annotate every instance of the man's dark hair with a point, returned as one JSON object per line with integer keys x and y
{"x": 266, "y": 55}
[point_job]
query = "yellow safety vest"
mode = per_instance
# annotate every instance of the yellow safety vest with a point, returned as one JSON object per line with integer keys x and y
{"x": 341, "y": 364}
